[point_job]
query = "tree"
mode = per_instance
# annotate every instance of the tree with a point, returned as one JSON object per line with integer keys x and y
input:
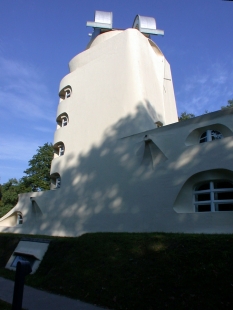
{"x": 184, "y": 116}
{"x": 9, "y": 194}
{"x": 229, "y": 105}
{"x": 38, "y": 174}
{"x": 37, "y": 178}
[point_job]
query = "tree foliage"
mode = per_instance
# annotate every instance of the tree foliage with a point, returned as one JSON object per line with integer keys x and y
{"x": 9, "y": 194}
{"x": 37, "y": 179}
{"x": 184, "y": 116}
{"x": 229, "y": 105}
{"x": 38, "y": 174}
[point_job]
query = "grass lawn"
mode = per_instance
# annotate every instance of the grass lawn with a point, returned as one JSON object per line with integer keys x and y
{"x": 135, "y": 271}
{"x": 4, "y": 305}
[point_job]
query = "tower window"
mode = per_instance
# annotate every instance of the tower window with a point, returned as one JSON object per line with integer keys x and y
{"x": 213, "y": 196}
{"x": 210, "y": 135}
{"x": 59, "y": 149}
{"x": 58, "y": 182}
{"x": 55, "y": 181}
{"x": 65, "y": 93}
{"x": 19, "y": 218}
{"x": 62, "y": 120}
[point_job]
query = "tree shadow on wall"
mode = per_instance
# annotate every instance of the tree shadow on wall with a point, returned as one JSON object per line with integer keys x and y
{"x": 112, "y": 188}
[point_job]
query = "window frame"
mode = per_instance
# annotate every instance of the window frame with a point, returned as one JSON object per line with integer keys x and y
{"x": 209, "y": 136}
{"x": 61, "y": 150}
{"x": 55, "y": 181}
{"x": 58, "y": 182}
{"x": 19, "y": 218}
{"x": 64, "y": 121}
{"x": 214, "y": 203}
{"x": 65, "y": 93}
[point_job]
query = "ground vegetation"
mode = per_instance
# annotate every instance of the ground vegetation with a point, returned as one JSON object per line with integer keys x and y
{"x": 135, "y": 271}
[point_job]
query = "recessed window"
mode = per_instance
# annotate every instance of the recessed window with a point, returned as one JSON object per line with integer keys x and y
{"x": 58, "y": 182}
{"x": 213, "y": 196}
{"x": 19, "y": 218}
{"x": 65, "y": 93}
{"x": 59, "y": 149}
{"x": 55, "y": 181}
{"x": 62, "y": 120}
{"x": 210, "y": 135}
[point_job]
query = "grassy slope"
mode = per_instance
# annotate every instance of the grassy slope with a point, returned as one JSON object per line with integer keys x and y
{"x": 4, "y": 305}
{"x": 136, "y": 271}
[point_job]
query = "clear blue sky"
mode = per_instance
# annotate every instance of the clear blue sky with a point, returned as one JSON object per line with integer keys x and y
{"x": 39, "y": 37}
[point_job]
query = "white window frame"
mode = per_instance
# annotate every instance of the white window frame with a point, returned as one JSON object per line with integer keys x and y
{"x": 19, "y": 219}
{"x": 64, "y": 121}
{"x": 61, "y": 150}
{"x": 210, "y": 133}
{"x": 67, "y": 93}
{"x": 212, "y": 202}
{"x": 58, "y": 182}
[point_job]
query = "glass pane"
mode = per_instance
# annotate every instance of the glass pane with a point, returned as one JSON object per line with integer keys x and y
{"x": 203, "y": 137}
{"x": 223, "y": 184}
{"x": 203, "y": 208}
{"x": 225, "y": 207}
{"x": 23, "y": 258}
{"x": 216, "y": 135}
{"x": 223, "y": 196}
{"x": 202, "y": 197}
{"x": 203, "y": 187}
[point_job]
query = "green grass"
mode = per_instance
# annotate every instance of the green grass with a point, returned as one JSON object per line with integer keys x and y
{"x": 4, "y": 305}
{"x": 136, "y": 271}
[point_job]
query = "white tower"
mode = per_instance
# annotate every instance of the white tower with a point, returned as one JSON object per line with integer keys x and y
{"x": 122, "y": 79}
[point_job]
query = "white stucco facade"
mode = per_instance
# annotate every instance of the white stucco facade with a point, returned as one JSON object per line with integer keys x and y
{"x": 122, "y": 160}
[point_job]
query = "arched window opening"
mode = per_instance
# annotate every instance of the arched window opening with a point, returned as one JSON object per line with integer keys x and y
{"x": 55, "y": 181}
{"x": 62, "y": 120}
{"x": 213, "y": 196}
{"x": 59, "y": 149}
{"x": 210, "y": 135}
{"x": 65, "y": 93}
{"x": 19, "y": 218}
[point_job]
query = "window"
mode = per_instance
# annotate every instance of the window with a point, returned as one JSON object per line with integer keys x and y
{"x": 61, "y": 150}
{"x": 55, "y": 181}
{"x": 58, "y": 182}
{"x": 65, "y": 93}
{"x": 19, "y": 218}
{"x": 210, "y": 135}
{"x": 62, "y": 120}
{"x": 213, "y": 196}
